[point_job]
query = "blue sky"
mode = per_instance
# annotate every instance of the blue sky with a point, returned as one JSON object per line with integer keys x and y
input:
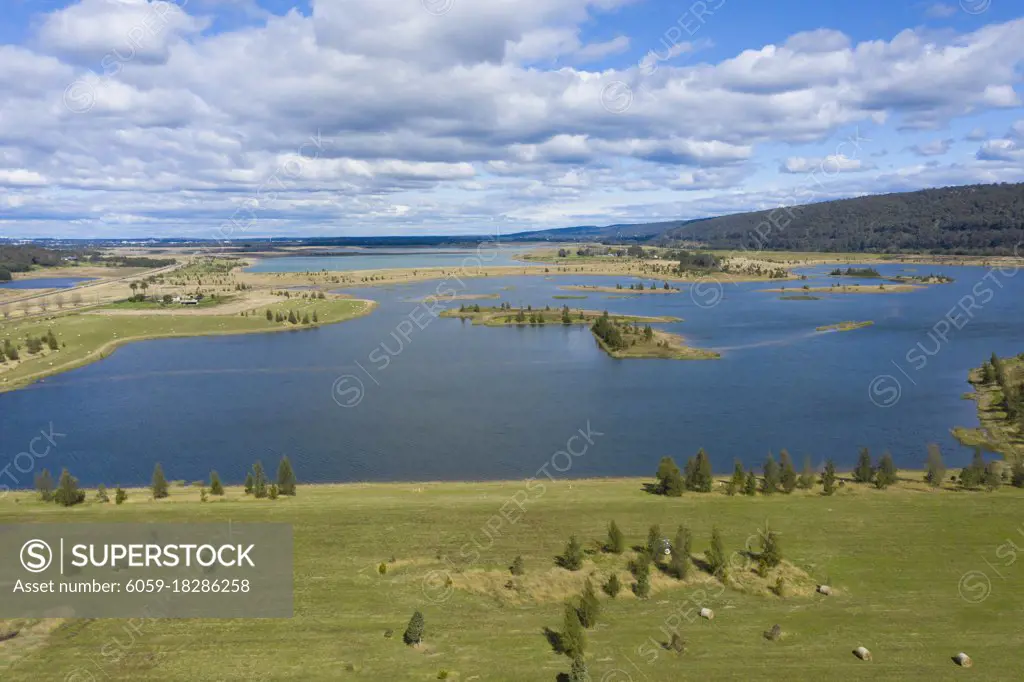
{"x": 236, "y": 118}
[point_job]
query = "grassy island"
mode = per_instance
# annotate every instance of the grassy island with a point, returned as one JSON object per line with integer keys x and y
{"x": 621, "y": 336}
{"x": 846, "y": 326}
{"x": 849, "y": 289}
{"x": 999, "y": 394}
{"x": 619, "y": 289}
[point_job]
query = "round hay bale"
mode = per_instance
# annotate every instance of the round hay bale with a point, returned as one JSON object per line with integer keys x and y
{"x": 707, "y": 614}
{"x": 825, "y": 590}
{"x": 963, "y": 660}
{"x": 862, "y": 653}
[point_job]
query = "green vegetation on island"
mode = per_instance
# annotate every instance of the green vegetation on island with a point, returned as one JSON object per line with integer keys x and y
{"x": 999, "y": 394}
{"x": 845, "y": 326}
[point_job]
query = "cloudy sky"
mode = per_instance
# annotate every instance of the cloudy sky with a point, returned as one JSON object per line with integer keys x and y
{"x": 213, "y": 118}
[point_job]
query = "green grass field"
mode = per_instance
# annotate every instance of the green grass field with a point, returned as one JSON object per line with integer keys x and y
{"x": 87, "y": 337}
{"x": 896, "y": 559}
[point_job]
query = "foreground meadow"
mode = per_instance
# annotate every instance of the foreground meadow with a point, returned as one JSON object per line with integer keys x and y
{"x": 918, "y": 576}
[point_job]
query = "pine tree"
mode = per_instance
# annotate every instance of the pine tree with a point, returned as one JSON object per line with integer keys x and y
{"x": 681, "y": 546}
{"x": 291, "y": 317}
{"x": 991, "y": 479}
{"x": 806, "y": 481}
{"x": 572, "y": 558}
{"x": 248, "y": 483}
{"x": 101, "y": 493}
{"x": 315, "y": 317}
{"x": 654, "y": 545}
{"x": 305, "y": 319}
{"x": 216, "y": 487}
{"x": 120, "y": 495}
{"x": 270, "y": 315}
{"x": 771, "y": 554}
{"x": 517, "y": 567}
{"x": 613, "y": 586}
{"x": 414, "y": 631}
{"x": 788, "y": 479}
{"x": 44, "y": 486}
{"x": 670, "y": 480}
{"x": 272, "y": 491}
{"x": 642, "y": 573}
{"x": 590, "y": 605}
{"x": 750, "y": 487}
{"x": 885, "y": 476}
{"x": 572, "y": 639}
{"x": 578, "y": 672}
{"x": 159, "y": 485}
{"x": 864, "y": 473}
{"x": 973, "y": 475}
{"x": 285, "y": 477}
{"x": 715, "y": 555}
{"x": 616, "y": 540}
{"x": 700, "y": 479}
{"x": 259, "y": 481}
{"x": 68, "y": 493}
{"x": 1017, "y": 476}
{"x": 828, "y": 478}
{"x": 738, "y": 478}
{"x": 771, "y": 476}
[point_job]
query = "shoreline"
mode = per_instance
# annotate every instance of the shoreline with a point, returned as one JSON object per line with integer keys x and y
{"x": 105, "y": 350}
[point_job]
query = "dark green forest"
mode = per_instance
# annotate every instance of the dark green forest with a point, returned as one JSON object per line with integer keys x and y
{"x": 976, "y": 219}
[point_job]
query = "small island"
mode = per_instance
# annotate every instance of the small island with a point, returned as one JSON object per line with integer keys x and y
{"x": 846, "y": 326}
{"x": 849, "y": 289}
{"x": 621, "y": 336}
{"x": 800, "y": 297}
{"x": 618, "y": 288}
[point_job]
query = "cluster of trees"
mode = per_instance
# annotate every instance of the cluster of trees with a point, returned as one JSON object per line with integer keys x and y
{"x": 32, "y": 344}
{"x": 994, "y": 372}
{"x": 23, "y": 257}
{"x": 855, "y": 272}
{"x": 291, "y": 318}
{"x": 985, "y": 219}
{"x": 607, "y": 331}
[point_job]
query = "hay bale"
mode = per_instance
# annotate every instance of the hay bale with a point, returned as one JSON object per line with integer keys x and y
{"x": 774, "y": 634}
{"x": 862, "y": 653}
{"x": 963, "y": 660}
{"x": 825, "y": 590}
{"x": 707, "y": 614}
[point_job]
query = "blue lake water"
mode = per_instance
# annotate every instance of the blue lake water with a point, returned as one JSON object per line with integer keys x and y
{"x": 45, "y": 283}
{"x": 378, "y": 258}
{"x": 453, "y": 401}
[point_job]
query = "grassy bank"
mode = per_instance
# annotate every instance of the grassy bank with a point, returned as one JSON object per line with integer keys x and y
{"x": 848, "y": 325}
{"x": 896, "y": 559}
{"x": 86, "y": 337}
{"x": 996, "y": 433}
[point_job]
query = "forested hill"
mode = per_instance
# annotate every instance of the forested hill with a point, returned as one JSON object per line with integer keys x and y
{"x": 978, "y": 219}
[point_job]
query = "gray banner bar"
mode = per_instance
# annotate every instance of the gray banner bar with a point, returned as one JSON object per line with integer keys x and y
{"x": 140, "y": 570}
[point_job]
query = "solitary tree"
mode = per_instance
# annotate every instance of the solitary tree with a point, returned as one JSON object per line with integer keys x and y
{"x": 590, "y": 605}
{"x": 828, "y": 478}
{"x": 771, "y": 554}
{"x": 414, "y": 631}
{"x": 992, "y": 478}
{"x": 101, "y": 493}
{"x": 216, "y": 487}
{"x": 972, "y": 476}
{"x": 159, "y": 485}
{"x": 285, "y": 477}
{"x": 120, "y": 495}
{"x": 517, "y": 567}
{"x": 654, "y": 544}
{"x": 572, "y": 640}
{"x": 68, "y": 493}
{"x": 681, "y": 546}
{"x": 616, "y": 540}
{"x": 698, "y": 473}
{"x": 716, "y": 555}
{"x": 886, "y": 473}
{"x": 788, "y": 479}
{"x": 613, "y": 586}
{"x": 642, "y": 572}
{"x": 670, "y": 480}
{"x": 935, "y": 467}
{"x": 259, "y": 481}
{"x": 864, "y": 472}
{"x": 806, "y": 481}
{"x": 578, "y": 672}
{"x": 738, "y": 478}
{"x": 572, "y": 558}
{"x": 44, "y": 486}
{"x": 771, "y": 476}
{"x": 750, "y": 487}
{"x": 248, "y": 483}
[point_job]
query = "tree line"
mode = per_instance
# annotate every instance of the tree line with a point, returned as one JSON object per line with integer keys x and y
{"x": 67, "y": 493}
{"x": 781, "y": 476}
